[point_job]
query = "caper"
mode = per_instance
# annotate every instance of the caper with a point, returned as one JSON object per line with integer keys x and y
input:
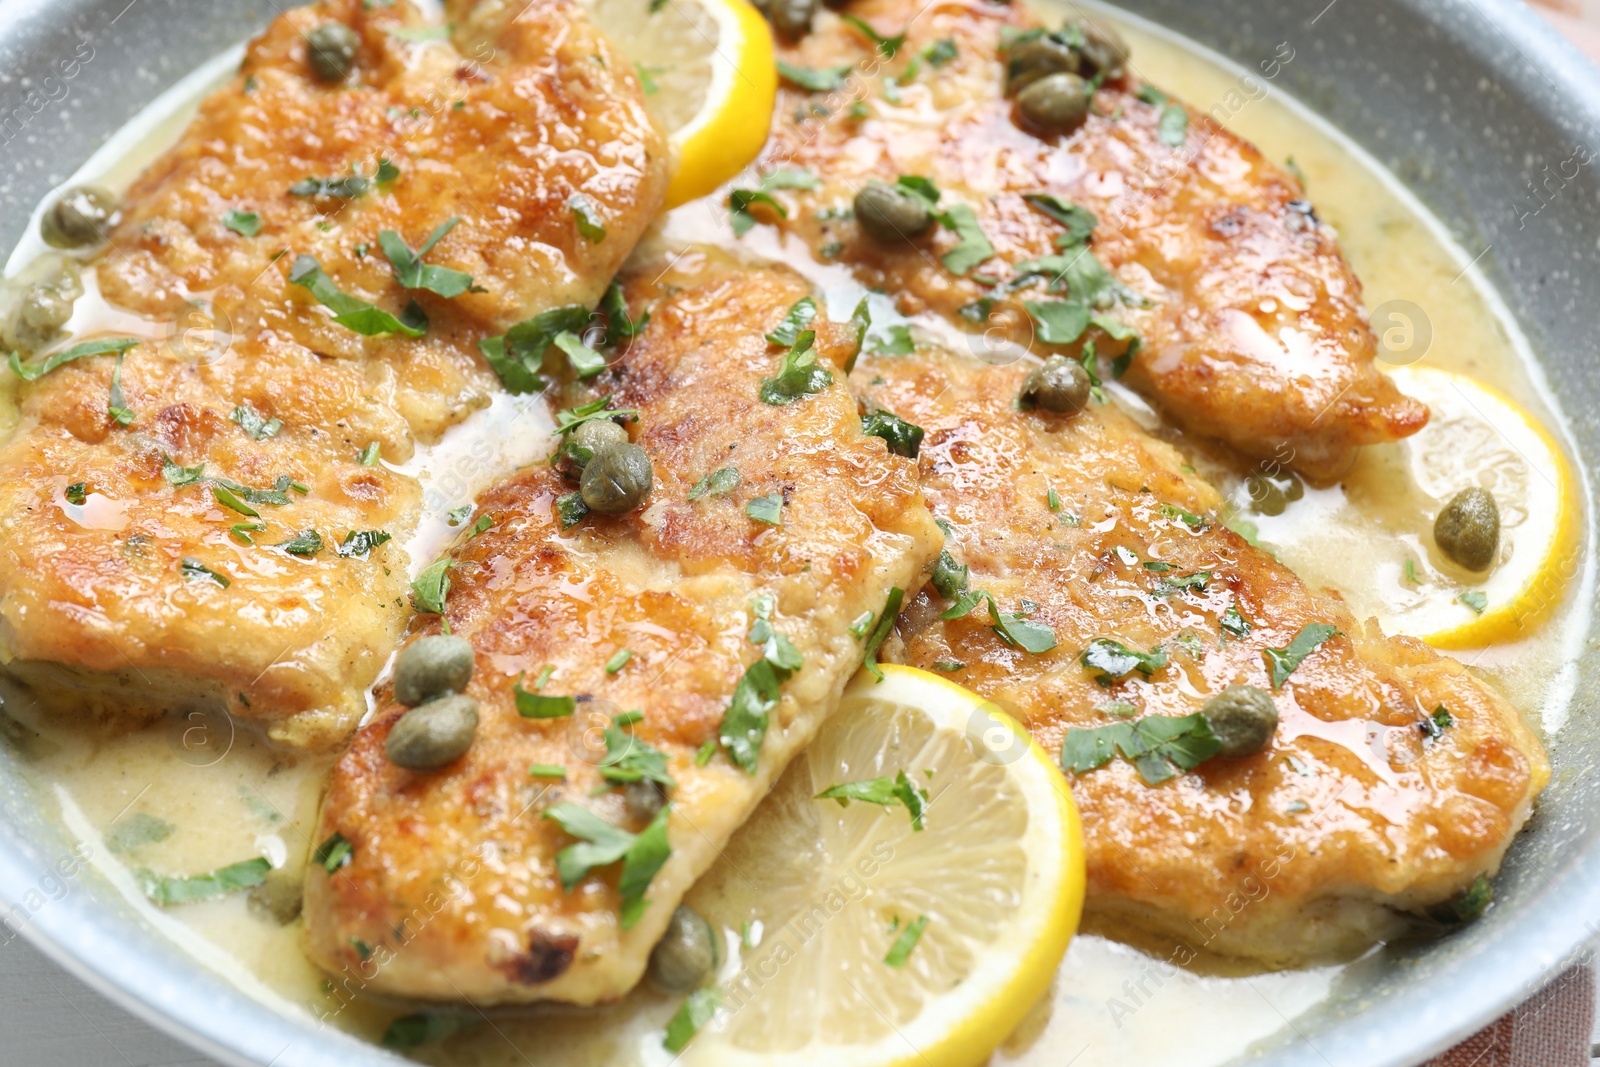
{"x": 1271, "y": 496}
{"x": 1104, "y": 51}
{"x": 1033, "y": 58}
{"x": 643, "y": 799}
{"x": 616, "y": 480}
{"x": 38, "y": 318}
{"x": 278, "y": 897}
{"x": 1056, "y": 103}
{"x": 687, "y": 955}
{"x": 430, "y": 667}
{"x": 597, "y": 434}
{"x": 433, "y": 734}
{"x": 1060, "y": 384}
{"x": 79, "y": 217}
{"x": 331, "y": 51}
{"x": 891, "y": 215}
{"x": 792, "y": 18}
{"x": 1468, "y": 529}
{"x": 1243, "y": 718}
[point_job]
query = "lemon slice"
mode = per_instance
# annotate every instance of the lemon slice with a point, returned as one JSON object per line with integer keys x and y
{"x": 709, "y": 76}
{"x": 1478, "y": 436}
{"x": 819, "y": 896}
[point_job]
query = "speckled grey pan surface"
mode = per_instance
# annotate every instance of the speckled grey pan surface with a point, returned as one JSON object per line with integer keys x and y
{"x": 1468, "y": 101}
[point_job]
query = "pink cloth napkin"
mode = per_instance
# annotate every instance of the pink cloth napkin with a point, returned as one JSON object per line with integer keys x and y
{"x": 1553, "y": 1029}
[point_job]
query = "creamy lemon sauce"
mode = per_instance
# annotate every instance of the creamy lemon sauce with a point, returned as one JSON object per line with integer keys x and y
{"x": 191, "y": 795}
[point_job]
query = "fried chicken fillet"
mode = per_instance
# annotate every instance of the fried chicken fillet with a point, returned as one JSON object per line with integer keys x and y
{"x": 503, "y": 128}
{"x": 452, "y": 887}
{"x": 1360, "y": 812}
{"x": 1251, "y": 320}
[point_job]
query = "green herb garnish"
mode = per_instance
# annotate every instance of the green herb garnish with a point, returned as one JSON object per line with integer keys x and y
{"x": 350, "y": 312}
{"x": 195, "y": 571}
{"x": 795, "y": 321}
{"x": 910, "y": 934}
{"x": 902, "y": 437}
{"x": 168, "y": 891}
{"x": 717, "y": 483}
{"x": 1112, "y": 660}
{"x": 880, "y": 632}
{"x": 799, "y": 375}
{"x": 358, "y": 544}
{"x": 1158, "y": 746}
{"x": 1283, "y": 661}
{"x": 602, "y": 844}
{"x": 887, "y": 791}
{"x": 695, "y": 1011}
{"x": 243, "y": 223}
{"x": 412, "y": 273}
{"x": 432, "y": 586}
{"x": 32, "y": 372}
{"x": 253, "y": 424}
{"x": 590, "y": 226}
{"x": 333, "y": 853}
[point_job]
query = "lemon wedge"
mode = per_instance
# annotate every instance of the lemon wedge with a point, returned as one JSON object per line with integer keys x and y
{"x": 859, "y": 940}
{"x": 1477, "y": 436}
{"x": 709, "y": 76}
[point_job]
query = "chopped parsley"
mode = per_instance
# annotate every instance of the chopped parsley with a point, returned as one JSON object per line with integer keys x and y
{"x": 32, "y": 372}
{"x": 1168, "y": 586}
{"x": 518, "y": 355}
{"x": 227, "y": 498}
{"x": 305, "y": 544}
{"x": 1466, "y": 905}
{"x": 695, "y": 1011}
{"x": 571, "y": 510}
{"x": 1283, "y": 661}
{"x": 1233, "y": 622}
{"x": 432, "y": 586}
{"x": 1112, "y": 660}
{"x": 815, "y": 79}
{"x": 887, "y": 46}
{"x": 767, "y": 509}
{"x": 887, "y": 791}
{"x": 910, "y": 934}
{"x": 601, "y": 844}
{"x": 254, "y": 424}
{"x": 902, "y": 437}
{"x": 168, "y": 891}
{"x": 426, "y": 1027}
{"x": 973, "y": 247}
{"x": 243, "y": 530}
{"x": 739, "y": 202}
{"x": 799, "y": 375}
{"x": 1410, "y": 572}
{"x": 590, "y": 225}
{"x": 569, "y": 419}
{"x": 547, "y": 770}
{"x": 1014, "y": 628}
{"x": 358, "y": 544}
{"x": 1477, "y": 600}
{"x": 1058, "y": 322}
{"x": 351, "y": 312}
{"x": 717, "y": 483}
{"x": 618, "y": 660}
{"x": 949, "y": 576}
{"x": 243, "y": 223}
{"x": 628, "y": 759}
{"x": 1079, "y": 222}
{"x": 117, "y": 405}
{"x": 620, "y": 326}
{"x": 347, "y": 188}
{"x": 136, "y": 830}
{"x": 744, "y": 723}
{"x": 1188, "y": 518}
{"x": 790, "y": 178}
{"x": 1436, "y": 724}
{"x": 795, "y": 321}
{"x": 532, "y": 705}
{"x": 333, "y": 853}
{"x": 1173, "y": 126}
{"x": 880, "y": 632}
{"x": 412, "y": 273}
{"x": 77, "y": 492}
{"x": 1159, "y": 746}
{"x": 195, "y": 571}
